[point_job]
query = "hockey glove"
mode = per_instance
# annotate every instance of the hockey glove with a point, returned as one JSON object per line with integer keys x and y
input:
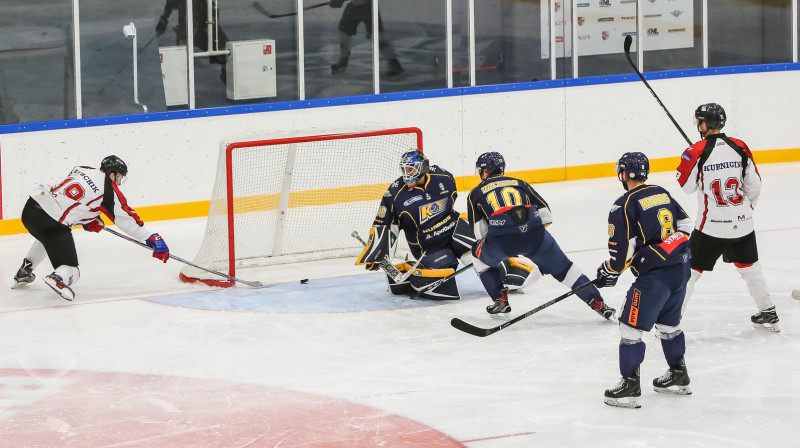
{"x": 160, "y": 249}
{"x": 94, "y": 226}
{"x": 161, "y": 26}
{"x": 606, "y": 277}
{"x": 337, "y": 3}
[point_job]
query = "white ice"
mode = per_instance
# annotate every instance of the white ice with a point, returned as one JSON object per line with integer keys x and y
{"x": 539, "y": 382}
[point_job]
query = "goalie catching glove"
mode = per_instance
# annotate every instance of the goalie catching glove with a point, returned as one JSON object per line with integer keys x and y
{"x": 381, "y": 239}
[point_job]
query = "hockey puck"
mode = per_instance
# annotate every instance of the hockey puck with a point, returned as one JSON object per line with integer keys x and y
{"x": 305, "y": 280}
{"x": 796, "y": 294}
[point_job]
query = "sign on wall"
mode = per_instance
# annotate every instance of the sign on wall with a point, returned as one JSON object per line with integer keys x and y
{"x": 601, "y": 25}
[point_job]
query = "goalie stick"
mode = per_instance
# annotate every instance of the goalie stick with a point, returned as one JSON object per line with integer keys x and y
{"x": 627, "y": 48}
{"x": 387, "y": 266}
{"x": 173, "y": 257}
{"x": 261, "y": 10}
{"x": 483, "y": 332}
{"x": 433, "y": 285}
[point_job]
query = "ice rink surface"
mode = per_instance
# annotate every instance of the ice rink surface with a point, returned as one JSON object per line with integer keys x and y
{"x": 141, "y": 359}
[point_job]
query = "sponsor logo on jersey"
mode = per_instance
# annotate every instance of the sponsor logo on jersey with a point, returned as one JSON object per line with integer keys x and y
{"x": 412, "y": 200}
{"x": 444, "y": 229}
{"x": 496, "y": 222}
{"x": 654, "y": 200}
{"x": 614, "y": 208}
{"x": 432, "y": 210}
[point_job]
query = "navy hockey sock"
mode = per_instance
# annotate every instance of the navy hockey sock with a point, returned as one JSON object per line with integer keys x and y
{"x": 492, "y": 280}
{"x": 674, "y": 349}
{"x": 630, "y": 356}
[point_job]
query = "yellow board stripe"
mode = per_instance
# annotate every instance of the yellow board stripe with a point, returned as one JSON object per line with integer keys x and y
{"x": 340, "y": 195}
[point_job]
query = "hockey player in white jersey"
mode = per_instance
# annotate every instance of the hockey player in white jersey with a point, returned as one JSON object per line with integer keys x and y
{"x": 79, "y": 199}
{"x": 722, "y": 171}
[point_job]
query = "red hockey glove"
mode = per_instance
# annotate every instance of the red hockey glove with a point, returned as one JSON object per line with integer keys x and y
{"x": 94, "y": 226}
{"x": 160, "y": 249}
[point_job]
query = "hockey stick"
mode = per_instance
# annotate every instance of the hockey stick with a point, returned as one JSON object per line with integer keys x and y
{"x": 173, "y": 257}
{"x": 433, "y": 285}
{"x": 266, "y": 13}
{"x": 482, "y": 332}
{"x": 390, "y": 269}
{"x": 627, "y": 47}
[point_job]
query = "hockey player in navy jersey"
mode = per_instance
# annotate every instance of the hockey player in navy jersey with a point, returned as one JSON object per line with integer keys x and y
{"x": 722, "y": 171}
{"x": 52, "y": 210}
{"x": 420, "y": 203}
{"x": 509, "y": 218}
{"x": 654, "y": 224}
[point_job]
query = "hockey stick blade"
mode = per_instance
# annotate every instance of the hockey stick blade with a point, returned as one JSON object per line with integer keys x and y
{"x": 176, "y": 258}
{"x": 483, "y": 332}
{"x": 627, "y": 47}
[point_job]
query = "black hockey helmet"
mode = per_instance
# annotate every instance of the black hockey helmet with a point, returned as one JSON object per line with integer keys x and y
{"x": 492, "y": 162}
{"x": 113, "y": 164}
{"x": 413, "y": 165}
{"x": 712, "y": 114}
{"x": 634, "y": 164}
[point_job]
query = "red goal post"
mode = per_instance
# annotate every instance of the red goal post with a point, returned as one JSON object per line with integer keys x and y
{"x": 283, "y": 199}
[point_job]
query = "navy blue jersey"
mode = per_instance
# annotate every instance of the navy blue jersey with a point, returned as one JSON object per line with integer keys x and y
{"x": 501, "y": 192}
{"x": 424, "y": 213}
{"x": 650, "y": 220}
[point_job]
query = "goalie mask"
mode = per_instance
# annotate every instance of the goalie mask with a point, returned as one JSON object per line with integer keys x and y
{"x": 413, "y": 165}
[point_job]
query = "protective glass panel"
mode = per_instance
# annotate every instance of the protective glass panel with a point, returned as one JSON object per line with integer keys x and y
{"x": 36, "y": 61}
{"x": 742, "y": 32}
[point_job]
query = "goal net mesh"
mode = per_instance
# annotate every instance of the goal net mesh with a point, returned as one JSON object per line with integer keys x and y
{"x": 296, "y": 198}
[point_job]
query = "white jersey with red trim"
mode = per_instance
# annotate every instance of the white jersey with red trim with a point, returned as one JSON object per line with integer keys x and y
{"x": 721, "y": 169}
{"x": 83, "y": 196}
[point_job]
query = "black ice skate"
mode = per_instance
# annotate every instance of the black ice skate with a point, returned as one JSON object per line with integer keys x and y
{"x": 24, "y": 274}
{"x": 500, "y": 306}
{"x": 340, "y": 66}
{"x": 625, "y": 393}
{"x": 395, "y": 68}
{"x": 54, "y": 281}
{"x": 766, "y": 320}
{"x": 674, "y": 381}
{"x": 602, "y": 309}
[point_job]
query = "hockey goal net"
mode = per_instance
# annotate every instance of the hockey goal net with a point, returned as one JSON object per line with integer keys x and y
{"x": 297, "y": 198}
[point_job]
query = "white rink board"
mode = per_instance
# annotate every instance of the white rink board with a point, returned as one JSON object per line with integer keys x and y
{"x": 175, "y": 161}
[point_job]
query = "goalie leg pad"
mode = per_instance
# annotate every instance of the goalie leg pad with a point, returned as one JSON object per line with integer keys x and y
{"x": 421, "y": 278}
{"x": 518, "y": 273}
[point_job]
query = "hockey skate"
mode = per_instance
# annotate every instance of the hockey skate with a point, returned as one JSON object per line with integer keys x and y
{"x": 395, "y": 68}
{"x": 340, "y": 66}
{"x": 500, "y": 306}
{"x": 56, "y": 284}
{"x": 24, "y": 274}
{"x": 766, "y": 320}
{"x": 674, "y": 381}
{"x": 602, "y": 309}
{"x": 625, "y": 393}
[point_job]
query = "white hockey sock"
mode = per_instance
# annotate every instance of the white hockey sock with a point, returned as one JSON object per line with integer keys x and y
{"x": 36, "y": 254}
{"x": 69, "y": 274}
{"x": 757, "y": 284}
{"x": 690, "y": 288}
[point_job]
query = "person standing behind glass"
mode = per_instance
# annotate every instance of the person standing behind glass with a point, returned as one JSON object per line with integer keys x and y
{"x": 200, "y": 31}
{"x": 354, "y": 13}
